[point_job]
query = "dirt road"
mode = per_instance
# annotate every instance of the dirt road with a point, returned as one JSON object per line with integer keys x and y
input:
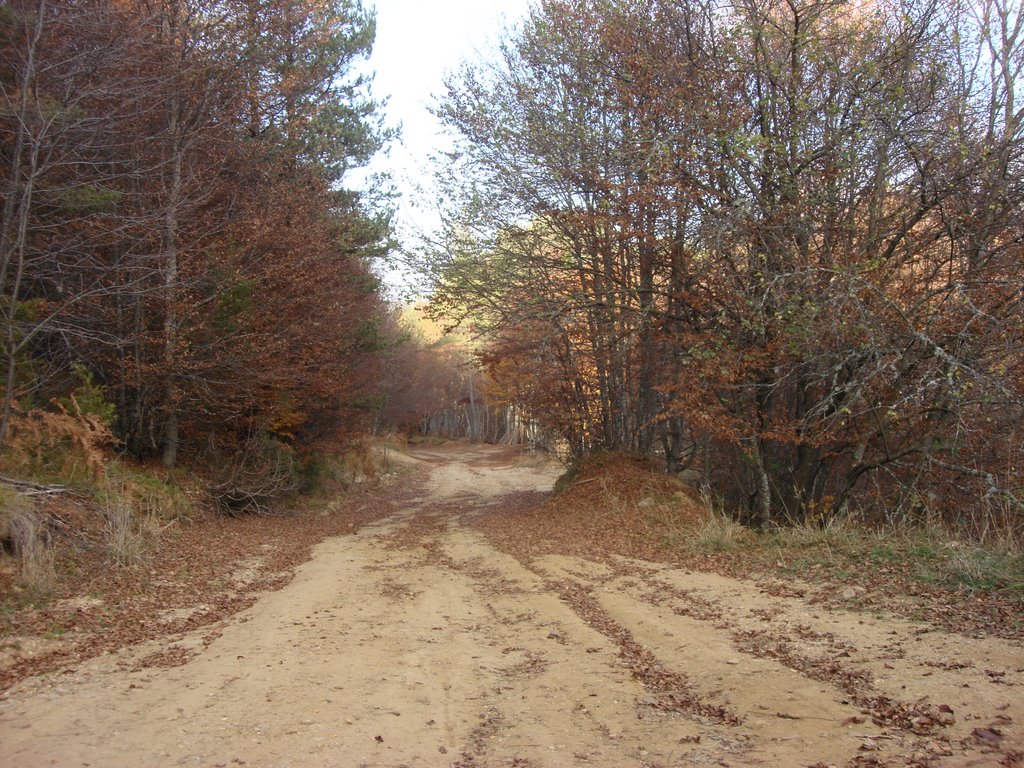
{"x": 416, "y": 642}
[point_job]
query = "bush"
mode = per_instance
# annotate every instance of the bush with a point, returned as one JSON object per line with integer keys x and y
{"x": 333, "y": 471}
{"x": 88, "y": 398}
{"x": 260, "y": 471}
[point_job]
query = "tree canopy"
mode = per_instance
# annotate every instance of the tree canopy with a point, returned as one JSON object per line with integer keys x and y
{"x": 178, "y": 220}
{"x": 778, "y": 243}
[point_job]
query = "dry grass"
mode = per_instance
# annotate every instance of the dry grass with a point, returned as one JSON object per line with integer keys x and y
{"x": 719, "y": 533}
{"x": 984, "y": 569}
{"x": 153, "y": 491}
{"x": 130, "y": 534}
{"x": 23, "y": 532}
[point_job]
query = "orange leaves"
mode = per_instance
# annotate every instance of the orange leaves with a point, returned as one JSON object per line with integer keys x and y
{"x": 755, "y": 238}
{"x": 56, "y": 442}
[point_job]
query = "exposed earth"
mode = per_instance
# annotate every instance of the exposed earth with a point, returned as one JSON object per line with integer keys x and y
{"x": 424, "y": 639}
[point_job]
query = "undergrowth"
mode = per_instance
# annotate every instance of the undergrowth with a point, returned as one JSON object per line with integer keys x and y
{"x": 158, "y": 493}
{"x": 67, "y": 446}
{"x": 130, "y": 532}
{"x": 849, "y": 550}
{"x": 326, "y": 474}
{"x": 720, "y": 533}
{"x": 24, "y": 536}
{"x": 69, "y": 498}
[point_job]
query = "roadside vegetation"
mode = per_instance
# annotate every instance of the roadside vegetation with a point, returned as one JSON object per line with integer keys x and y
{"x": 141, "y": 552}
{"x": 190, "y": 322}
{"x": 621, "y": 504}
{"x": 775, "y": 245}
{"x": 114, "y": 517}
{"x": 186, "y": 259}
{"x": 920, "y": 556}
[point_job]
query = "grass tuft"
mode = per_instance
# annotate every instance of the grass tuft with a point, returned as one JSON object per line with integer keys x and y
{"x": 130, "y": 535}
{"x": 846, "y": 550}
{"x": 720, "y": 533}
{"x": 976, "y": 569}
{"x": 23, "y": 532}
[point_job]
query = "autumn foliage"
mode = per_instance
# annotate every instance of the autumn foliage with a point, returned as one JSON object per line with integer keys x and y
{"x": 776, "y": 244}
{"x": 178, "y": 219}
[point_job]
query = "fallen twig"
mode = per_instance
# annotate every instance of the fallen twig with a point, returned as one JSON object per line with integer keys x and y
{"x": 28, "y": 488}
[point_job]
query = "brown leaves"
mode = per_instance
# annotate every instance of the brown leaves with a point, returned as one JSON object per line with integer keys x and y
{"x": 670, "y": 690}
{"x": 192, "y": 572}
{"x": 920, "y": 718}
{"x": 42, "y": 437}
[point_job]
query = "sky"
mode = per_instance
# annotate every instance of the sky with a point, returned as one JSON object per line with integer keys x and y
{"x": 418, "y": 42}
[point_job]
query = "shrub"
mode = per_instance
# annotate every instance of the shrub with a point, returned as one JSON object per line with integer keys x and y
{"x": 259, "y": 472}
{"x": 88, "y": 398}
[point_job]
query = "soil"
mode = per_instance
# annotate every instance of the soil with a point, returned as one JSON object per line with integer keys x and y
{"x": 430, "y": 637}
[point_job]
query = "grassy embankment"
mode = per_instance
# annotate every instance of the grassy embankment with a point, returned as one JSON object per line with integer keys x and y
{"x": 920, "y": 570}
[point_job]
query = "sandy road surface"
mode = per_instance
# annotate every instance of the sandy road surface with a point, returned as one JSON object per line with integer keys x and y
{"x": 416, "y": 642}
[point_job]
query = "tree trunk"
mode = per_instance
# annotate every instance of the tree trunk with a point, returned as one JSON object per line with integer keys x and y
{"x": 171, "y": 435}
{"x": 17, "y": 206}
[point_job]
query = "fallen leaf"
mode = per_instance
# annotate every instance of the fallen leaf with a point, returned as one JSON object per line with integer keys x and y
{"x": 988, "y": 735}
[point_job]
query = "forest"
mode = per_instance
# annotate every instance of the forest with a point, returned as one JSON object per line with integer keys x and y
{"x": 186, "y": 269}
{"x": 776, "y": 244}
{"x": 697, "y": 438}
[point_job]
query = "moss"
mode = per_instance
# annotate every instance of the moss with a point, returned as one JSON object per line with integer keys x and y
{"x": 89, "y": 199}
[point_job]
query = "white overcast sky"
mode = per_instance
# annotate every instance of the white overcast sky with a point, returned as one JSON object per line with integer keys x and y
{"x": 418, "y": 42}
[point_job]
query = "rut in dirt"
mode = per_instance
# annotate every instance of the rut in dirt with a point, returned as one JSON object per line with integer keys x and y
{"x": 419, "y": 641}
